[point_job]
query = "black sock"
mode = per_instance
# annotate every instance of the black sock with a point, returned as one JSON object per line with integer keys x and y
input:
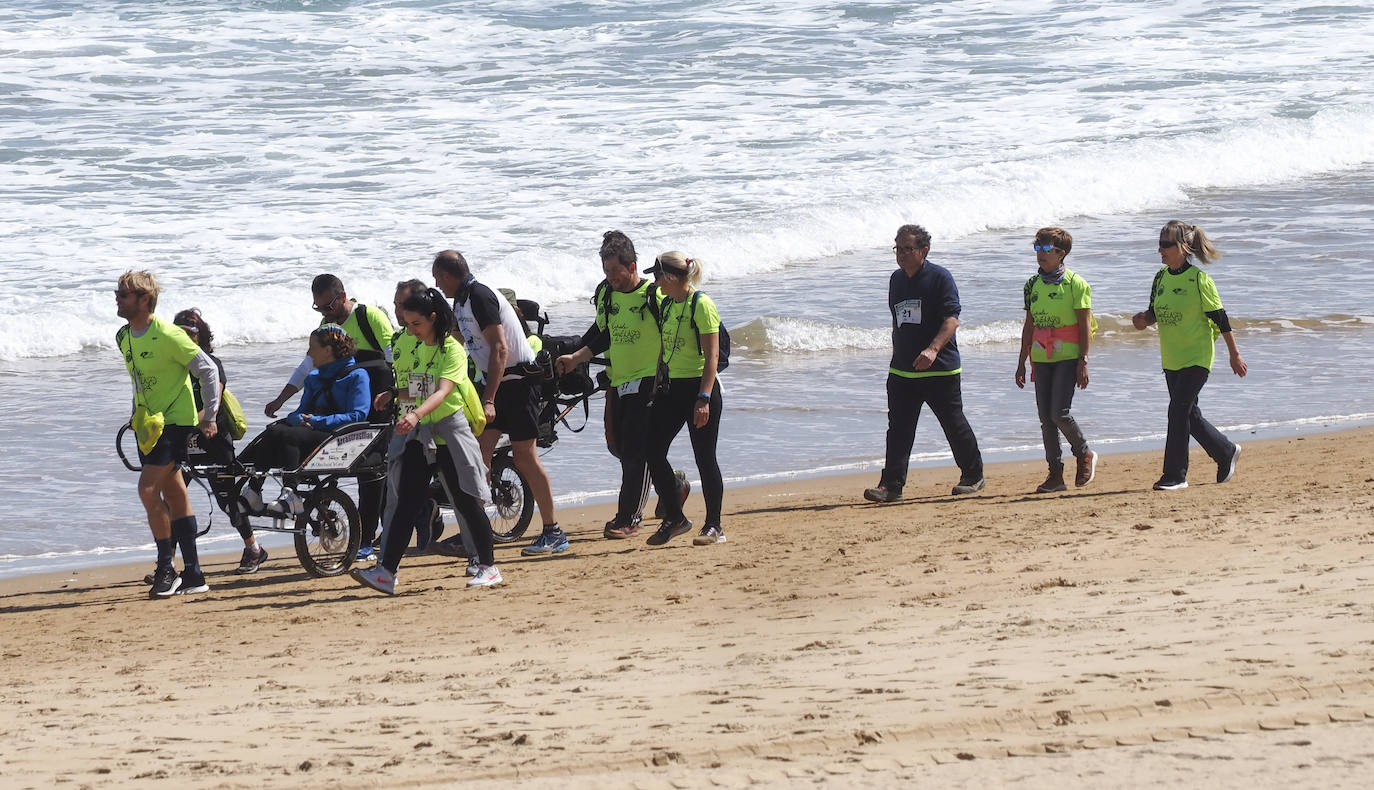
{"x": 549, "y": 529}
{"x": 184, "y": 532}
{"x": 166, "y": 550}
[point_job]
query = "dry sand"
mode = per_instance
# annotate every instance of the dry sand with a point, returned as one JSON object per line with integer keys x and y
{"x": 1221, "y": 636}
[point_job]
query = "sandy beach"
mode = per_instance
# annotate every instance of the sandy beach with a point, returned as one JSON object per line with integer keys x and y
{"x": 1111, "y": 636}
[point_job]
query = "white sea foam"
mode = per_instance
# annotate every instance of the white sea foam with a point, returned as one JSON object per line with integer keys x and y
{"x": 241, "y": 157}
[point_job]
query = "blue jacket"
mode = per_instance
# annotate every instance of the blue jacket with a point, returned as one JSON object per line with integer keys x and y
{"x": 352, "y": 393}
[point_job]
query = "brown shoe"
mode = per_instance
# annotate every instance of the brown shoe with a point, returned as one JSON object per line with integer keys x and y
{"x": 1053, "y": 483}
{"x": 1087, "y": 468}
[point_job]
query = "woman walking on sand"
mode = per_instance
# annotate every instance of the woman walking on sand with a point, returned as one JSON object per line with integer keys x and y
{"x": 1185, "y": 303}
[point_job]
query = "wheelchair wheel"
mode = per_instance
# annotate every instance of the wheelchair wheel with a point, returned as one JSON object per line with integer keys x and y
{"x": 328, "y": 532}
{"x": 512, "y": 504}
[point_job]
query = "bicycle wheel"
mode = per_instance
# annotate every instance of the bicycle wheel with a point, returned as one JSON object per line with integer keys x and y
{"x": 327, "y": 533}
{"x": 512, "y": 504}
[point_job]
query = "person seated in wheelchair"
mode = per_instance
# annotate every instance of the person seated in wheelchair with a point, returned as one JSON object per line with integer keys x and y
{"x": 336, "y": 393}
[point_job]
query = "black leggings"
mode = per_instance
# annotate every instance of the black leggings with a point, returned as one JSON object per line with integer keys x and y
{"x": 412, "y": 492}
{"x": 672, "y": 410}
{"x": 631, "y": 414}
{"x": 282, "y": 446}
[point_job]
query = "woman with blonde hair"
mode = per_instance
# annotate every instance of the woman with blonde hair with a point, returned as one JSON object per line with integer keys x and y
{"x": 1185, "y": 304}
{"x": 688, "y": 393}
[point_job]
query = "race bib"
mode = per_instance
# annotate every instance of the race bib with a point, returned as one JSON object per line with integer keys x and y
{"x": 628, "y": 388}
{"x": 909, "y": 312}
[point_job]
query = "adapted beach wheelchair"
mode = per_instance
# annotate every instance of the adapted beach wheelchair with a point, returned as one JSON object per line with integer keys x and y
{"x": 328, "y": 530}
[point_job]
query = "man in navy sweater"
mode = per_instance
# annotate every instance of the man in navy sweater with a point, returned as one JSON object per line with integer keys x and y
{"x": 925, "y": 366}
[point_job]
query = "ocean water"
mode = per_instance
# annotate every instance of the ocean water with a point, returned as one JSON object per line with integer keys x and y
{"x": 240, "y": 148}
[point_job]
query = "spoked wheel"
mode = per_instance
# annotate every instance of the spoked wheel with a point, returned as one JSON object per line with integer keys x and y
{"x": 512, "y": 501}
{"x": 328, "y": 532}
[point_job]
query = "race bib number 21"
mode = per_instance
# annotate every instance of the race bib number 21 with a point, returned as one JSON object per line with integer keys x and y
{"x": 909, "y": 312}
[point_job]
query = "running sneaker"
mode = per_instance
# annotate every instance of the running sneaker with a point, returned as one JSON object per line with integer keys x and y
{"x": 486, "y": 576}
{"x": 711, "y": 533}
{"x": 669, "y": 530}
{"x": 967, "y": 486}
{"x": 192, "y": 583}
{"x": 436, "y": 521}
{"x": 365, "y": 553}
{"x": 288, "y": 505}
{"x": 614, "y": 531}
{"x": 253, "y": 556}
{"x": 1165, "y": 484}
{"x": 554, "y": 541}
{"x": 451, "y": 547}
{"x": 473, "y": 567}
{"x": 684, "y": 489}
{"x": 1227, "y": 470}
{"x": 1087, "y": 469}
{"x": 376, "y": 577}
{"x": 883, "y": 493}
{"x": 165, "y": 582}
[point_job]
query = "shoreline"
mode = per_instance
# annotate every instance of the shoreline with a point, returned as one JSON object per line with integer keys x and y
{"x": 830, "y": 638}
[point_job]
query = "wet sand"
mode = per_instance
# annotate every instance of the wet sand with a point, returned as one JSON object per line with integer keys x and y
{"x": 1110, "y": 636}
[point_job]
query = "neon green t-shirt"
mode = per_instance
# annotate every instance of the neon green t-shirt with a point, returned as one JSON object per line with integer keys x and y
{"x": 418, "y": 370}
{"x": 1055, "y": 306}
{"x": 1187, "y": 337}
{"x": 634, "y": 334}
{"x": 157, "y": 366}
{"x": 680, "y": 350}
{"x": 376, "y": 318}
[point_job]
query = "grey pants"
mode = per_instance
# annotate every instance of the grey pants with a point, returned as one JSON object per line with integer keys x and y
{"x": 1054, "y": 385}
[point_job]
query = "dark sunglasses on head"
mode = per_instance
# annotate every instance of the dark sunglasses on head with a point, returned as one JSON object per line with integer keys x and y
{"x": 1044, "y": 247}
{"x": 1165, "y": 245}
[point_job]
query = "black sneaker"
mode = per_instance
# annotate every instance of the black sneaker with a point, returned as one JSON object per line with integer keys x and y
{"x": 192, "y": 583}
{"x": 883, "y": 493}
{"x": 669, "y": 530}
{"x": 451, "y": 547}
{"x": 1227, "y": 470}
{"x": 165, "y": 582}
{"x": 249, "y": 562}
{"x": 1165, "y": 484}
{"x": 967, "y": 486}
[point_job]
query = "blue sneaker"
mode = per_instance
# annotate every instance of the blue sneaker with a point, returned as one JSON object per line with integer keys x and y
{"x": 365, "y": 553}
{"x": 554, "y": 541}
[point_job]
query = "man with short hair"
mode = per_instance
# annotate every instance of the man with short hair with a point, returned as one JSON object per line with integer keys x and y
{"x": 371, "y": 332}
{"x": 925, "y": 366}
{"x": 159, "y": 355}
{"x": 495, "y": 339}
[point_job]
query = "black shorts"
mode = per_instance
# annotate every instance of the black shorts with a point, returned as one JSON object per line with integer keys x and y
{"x": 170, "y": 447}
{"x": 517, "y": 410}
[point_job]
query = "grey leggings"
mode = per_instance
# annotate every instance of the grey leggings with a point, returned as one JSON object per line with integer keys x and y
{"x": 1054, "y": 385}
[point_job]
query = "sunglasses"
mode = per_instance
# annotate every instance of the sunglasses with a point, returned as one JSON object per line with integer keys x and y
{"x": 900, "y": 249}
{"x": 121, "y": 294}
{"x": 1044, "y": 247}
{"x": 1167, "y": 245}
{"x": 323, "y": 307}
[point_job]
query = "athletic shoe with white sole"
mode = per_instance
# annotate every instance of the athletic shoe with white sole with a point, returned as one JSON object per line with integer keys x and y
{"x": 1227, "y": 470}
{"x": 251, "y": 559}
{"x": 376, "y": 577}
{"x": 554, "y": 541}
{"x": 192, "y": 583}
{"x": 1087, "y": 469}
{"x": 473, "y": 567}
{"x": 1165, "y": 484}
{"x": 250, "y": 501}
{"x": 669, "y": 530}
{"x": 709, "y": 534}
{"x": 487, "y": 575}
{"x": 165, "y": 582}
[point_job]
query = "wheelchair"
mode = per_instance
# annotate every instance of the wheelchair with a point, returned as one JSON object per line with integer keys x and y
{"x": 328, "y": 531}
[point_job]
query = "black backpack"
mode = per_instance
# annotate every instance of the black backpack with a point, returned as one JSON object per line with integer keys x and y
{"x": 724, "y": 360}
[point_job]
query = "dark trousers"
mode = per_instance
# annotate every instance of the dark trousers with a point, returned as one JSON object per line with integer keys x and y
{"x": 412, "y": 492}
{"x": 1054, "y": 386}
{"x": 672, "y": 410}
{"x": 283, "y": 446}
{"x": 1185, "y": 419}
{"x": 632, "y": 417}
{"x": 220, "y": 450}
{"x": 904, "y": 400}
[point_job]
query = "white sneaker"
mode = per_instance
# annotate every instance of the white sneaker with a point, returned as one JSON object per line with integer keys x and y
{"x": 287, "y": 505}
{"x": 473, "y": 567}
{"x": 487, "y": 575}
{"x": 250, "y": 501}
{"x": 376, "y": 577}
